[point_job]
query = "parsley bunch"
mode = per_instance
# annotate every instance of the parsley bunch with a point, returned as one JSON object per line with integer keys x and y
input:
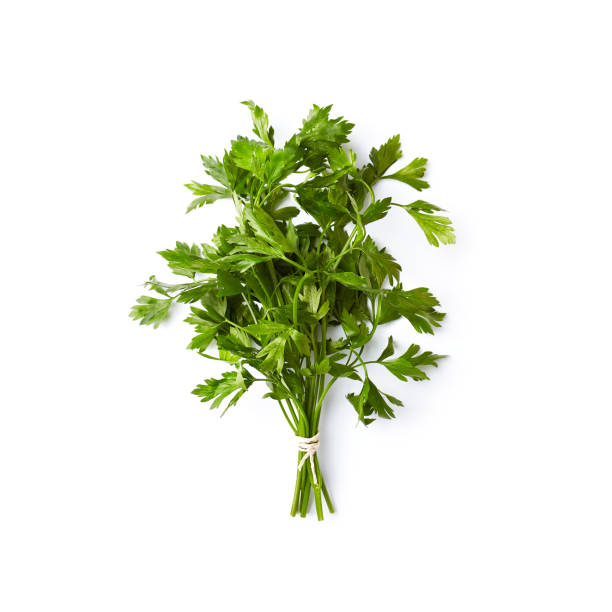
{"x": 270, "y": 291}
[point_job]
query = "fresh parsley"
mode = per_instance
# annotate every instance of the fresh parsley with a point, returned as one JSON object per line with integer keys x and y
{"x": 269, "y": 291}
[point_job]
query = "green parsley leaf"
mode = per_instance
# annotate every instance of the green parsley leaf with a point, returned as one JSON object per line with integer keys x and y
{"x": 417, "y": 305}
{"x": 208, "y": 194}
{"x": 319, "y": 127}
{"x": 266, "y": 328}
{"x": 228, "y": 284}
{"x": 435, "y": 227}
{"x": 381, "y": 263}
{"x": 217, "y": 389}
{"x": 376, "y": 210}
{"x": 301, "y": 341}
{"x": 203, "y": 339}
{"x": 150, "y": 310}
{"x": 386, "y": 155}
{"x": 371, "y": 401}
{"x": 243, "y": 261}
{"x": 349, "y": 324}
{"x": 249, "y": 244}
{"x": 349, "y": 279}
{"x": 215, "y": 169}
{"x": 273, "y": 352}
{"x": 186, "y": 260}
{"x": 412, "y": 174}
{"x": 312, "y": 295}
{"x": 388, "y": 351}
{"x": 265, "y": 227}
{"x": 407, "y": 365}
{"x": 249, "y": 155}
{"x": 280, "y": 163}
{"x": 260, "y": 122}
{"x": 341, "y": 370}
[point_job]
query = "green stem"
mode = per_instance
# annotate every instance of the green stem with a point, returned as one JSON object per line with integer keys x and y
{"x": 262, "y": 285}
{"x": 298, "y": 488}
{"x": 372, "y": 196}
{"x": 330, "y": 506}
{"x": 296, "y": 296}
{"x": 358, "y": 356}
{"x": 345, "y": 248}
{"x": 305, "y": 494}
{"x": 319, "y": 405}
{"x": 287, "y": 417}
{"x": 209, "y": 356}
{"x": 291, "y": 411}
{"x": 296, "y": 264}
{"x": 321, "y": 238}
{"x": 272, "y": 272}
{"x": 249, "y": 305}
{"x": 318, "y": 502}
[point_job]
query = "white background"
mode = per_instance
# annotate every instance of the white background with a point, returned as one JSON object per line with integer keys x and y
{"x": 490, "y": 491}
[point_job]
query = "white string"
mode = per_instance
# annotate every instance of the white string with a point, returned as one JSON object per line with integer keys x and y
{"x": 309, "y": 447}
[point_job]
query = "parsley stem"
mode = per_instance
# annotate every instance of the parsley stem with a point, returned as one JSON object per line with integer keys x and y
{"x": 296, "y": 264}
{"x": 345, "y": 248}
{"x": 287, "y": 417}
{"x": 209, "y": 356}
{"x": 290, "y": 409}
{"x": 261, "y": 284}
{"x": 369, "y": 188}
{"x": 248, "y": 303}
{"x": 296, "y": 296}
{"x": 298, "y": 488}
{"x": 363, "y": 363}
{"x": 259, "y": 191}
{"x": 305, "y": 493}
{"x": 323, "y": 487}
{"x": 321, "y": 237}
{"x": 319, "y": 405}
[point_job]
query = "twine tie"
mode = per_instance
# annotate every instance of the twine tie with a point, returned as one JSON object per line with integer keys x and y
{"x": 309, "y": 447}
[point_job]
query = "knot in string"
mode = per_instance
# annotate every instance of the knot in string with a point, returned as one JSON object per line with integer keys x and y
{"x": 309, "y": 447}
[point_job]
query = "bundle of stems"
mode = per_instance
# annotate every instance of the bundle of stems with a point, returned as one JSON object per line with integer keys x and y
{"x": 300, "y": 264}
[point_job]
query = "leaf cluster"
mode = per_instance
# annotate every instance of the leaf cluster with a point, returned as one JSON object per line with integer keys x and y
{"x": 293, "y": 293}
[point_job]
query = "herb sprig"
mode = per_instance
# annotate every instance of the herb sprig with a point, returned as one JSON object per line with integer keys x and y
{"x": 270, "y": 290}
